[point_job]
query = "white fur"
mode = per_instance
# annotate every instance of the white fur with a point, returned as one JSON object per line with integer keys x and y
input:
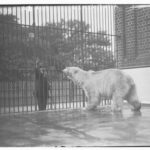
{"x": 111, "y": 83}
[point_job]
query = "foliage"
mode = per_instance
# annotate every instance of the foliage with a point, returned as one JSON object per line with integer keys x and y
{"x": 58, "y": 45}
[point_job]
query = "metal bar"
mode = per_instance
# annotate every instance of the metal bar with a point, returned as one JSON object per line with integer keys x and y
{"x": 61, "y": 43}
{"x": 82, "y": 53}
{"x": 57, "y": 62}
{"x": 66, "y": 82}
{"x": 109, "y": 38}
{"x": 107, "y": 30}
{"x": 29, "y": 91}
{"x": 13, "y": 96}
{"x": 9, "y": 97}
{"x": 8, "y": 83}
{"x": 36, "y": 55}
{"x": 4, "y": 84}
{"x": 105, "y": 26}
{"x": 22, "y": 92}
{"x": 111, "y": 50}
{"x": 18, "y": 91}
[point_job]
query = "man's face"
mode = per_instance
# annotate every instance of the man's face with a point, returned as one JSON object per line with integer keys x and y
{"x": 43, "y": 71}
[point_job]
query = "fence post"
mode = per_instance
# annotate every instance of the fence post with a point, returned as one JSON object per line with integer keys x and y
{"x": 81, "y": 13}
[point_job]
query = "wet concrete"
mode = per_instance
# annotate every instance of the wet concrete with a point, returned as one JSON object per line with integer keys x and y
{"x": 76, "y": 128}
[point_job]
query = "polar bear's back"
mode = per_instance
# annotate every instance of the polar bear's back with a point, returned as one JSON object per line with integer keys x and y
{"x": 112, "y": 75}
{"x": 107, "y": 80}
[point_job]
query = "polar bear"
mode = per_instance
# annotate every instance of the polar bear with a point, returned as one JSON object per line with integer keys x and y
{"x": 113, "y": 84}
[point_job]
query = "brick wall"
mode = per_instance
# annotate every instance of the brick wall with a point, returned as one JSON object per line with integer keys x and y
{"x": 133, "y": 41}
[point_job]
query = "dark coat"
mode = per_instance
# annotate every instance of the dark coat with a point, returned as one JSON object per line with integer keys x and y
{"x": 41, "y": 89}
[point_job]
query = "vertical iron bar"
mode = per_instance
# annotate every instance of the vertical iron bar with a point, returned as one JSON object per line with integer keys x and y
{"x": 14, "y": 82}
{"x": 90, "y": 34}
{"x": 1, "y": 96}
{"x": 8, "y": 83}
{"x": 57, "y": 64}
{"x": 100, "y": 35}
{"x": 75, "y": 41}
{"x": 22, "y": 72}
{"x": 16, "y": 34}
{"x": 64, "y": 35}
{"x": 8, "y": 32}
{"x": 88, "y": 37}
{"x": 103, "y": 52}
{"x": 61, "y": 42}
{"x": 42, "y": 35}
{"x": 50, "y": 61}
{"x": 20, "y": 33}
{"x": 94, "y": 33}
{"x": 9, "y": 97}
{"x": 72, "y": 84}
{"x": 38, "y": 41}
{"x": 4, "y": 95}
{"x": 13, "y": 93}
{"x": 81, "y": 18}
{"x": 97, "y": 34}
{"x": 111, "y": 32}
{"x": 105, "y": 24}
{"x": 80, "y": 96}
{"x": 3, "y": 82}
{"x": 107, "y": 38}
{"x": 103, "y": 30}
{"x": 18, "y": 89}
{"x": 3, "y": 26}
{"x": 34, "y": 55}
{"x": 55, "y": 71}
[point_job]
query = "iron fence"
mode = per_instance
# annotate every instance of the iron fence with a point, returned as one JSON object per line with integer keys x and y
{"x": 58, "y": 36}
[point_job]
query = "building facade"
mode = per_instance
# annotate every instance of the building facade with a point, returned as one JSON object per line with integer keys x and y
{"x": 132, "y": 27}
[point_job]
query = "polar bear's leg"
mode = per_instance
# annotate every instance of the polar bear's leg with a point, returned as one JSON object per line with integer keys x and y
{"x": 93, "y": 104}
{"x": 117, "y": 103}
{"x": 87, "y": 94}
{"x": 93, "y": 101}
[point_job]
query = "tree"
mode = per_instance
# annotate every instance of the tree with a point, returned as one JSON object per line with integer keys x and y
{"x": 61, "y": 44}
{"x": 72, "y": 44}
{"x": 86, "y": 49}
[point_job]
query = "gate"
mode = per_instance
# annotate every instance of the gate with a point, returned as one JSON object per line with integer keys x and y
{"x": 49, "y": 38}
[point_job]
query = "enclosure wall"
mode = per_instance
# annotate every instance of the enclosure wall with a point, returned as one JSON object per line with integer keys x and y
{"x": 142, "y": 80}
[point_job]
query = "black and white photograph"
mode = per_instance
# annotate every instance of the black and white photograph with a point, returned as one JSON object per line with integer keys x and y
{"x": 74, "y": 75}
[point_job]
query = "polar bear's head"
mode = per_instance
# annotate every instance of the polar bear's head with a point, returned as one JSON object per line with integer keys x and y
{"x": 71, "y": 72}
{"x": 76, "y": 74}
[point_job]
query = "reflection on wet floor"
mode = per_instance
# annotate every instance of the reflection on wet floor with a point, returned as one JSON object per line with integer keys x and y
{"x": 76, "y": 128}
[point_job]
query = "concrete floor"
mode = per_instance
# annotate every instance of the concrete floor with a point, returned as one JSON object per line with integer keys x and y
{"x": 76, "y": 128}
